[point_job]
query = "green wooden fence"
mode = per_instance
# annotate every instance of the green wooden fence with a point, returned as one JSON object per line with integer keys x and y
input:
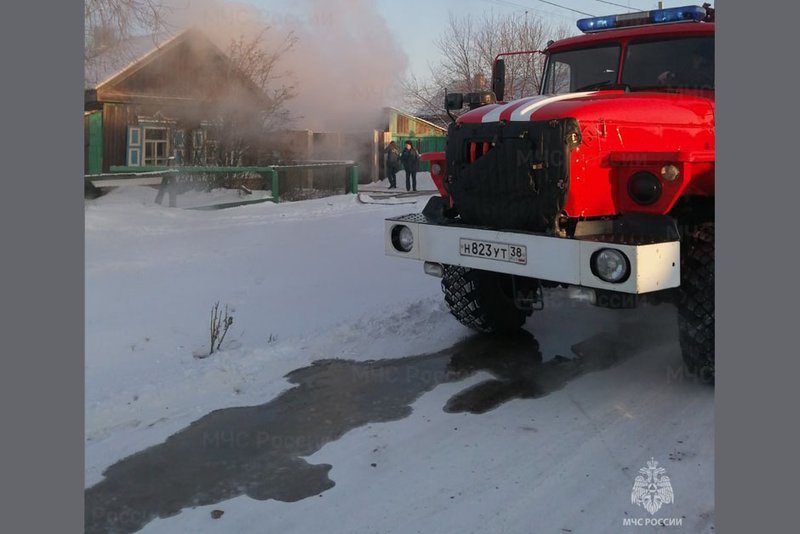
{"x": 279, "y": 179}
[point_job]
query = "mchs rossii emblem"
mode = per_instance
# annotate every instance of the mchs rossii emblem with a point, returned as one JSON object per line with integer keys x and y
{"x": 652, "y": 488}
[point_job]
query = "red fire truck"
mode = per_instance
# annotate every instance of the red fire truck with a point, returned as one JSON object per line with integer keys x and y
{"x": 604, "y": 181}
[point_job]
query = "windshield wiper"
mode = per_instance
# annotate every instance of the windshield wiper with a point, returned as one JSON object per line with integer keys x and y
{"x": 606, "y": 84}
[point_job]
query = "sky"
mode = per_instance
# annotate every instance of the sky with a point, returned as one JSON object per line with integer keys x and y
{"x": 415, "y": 24}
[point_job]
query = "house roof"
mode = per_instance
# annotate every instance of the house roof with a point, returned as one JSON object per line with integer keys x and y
{"x": 124, "y": 54}
{"x": 416, "y": 118}
{"x": 107, "y": 74}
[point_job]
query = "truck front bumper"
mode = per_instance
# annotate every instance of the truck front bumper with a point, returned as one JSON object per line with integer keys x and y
{"x": 652, "y": 266}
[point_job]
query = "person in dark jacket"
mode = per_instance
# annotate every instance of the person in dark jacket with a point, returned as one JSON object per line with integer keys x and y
{"x": 392, "y": 164}
{"x": 410, "y": 159}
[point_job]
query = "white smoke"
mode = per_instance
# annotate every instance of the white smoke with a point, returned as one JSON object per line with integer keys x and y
{"x": 345, "y": 65}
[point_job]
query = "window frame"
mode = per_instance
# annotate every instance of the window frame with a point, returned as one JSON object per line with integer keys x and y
{"x": 155, "y": 160}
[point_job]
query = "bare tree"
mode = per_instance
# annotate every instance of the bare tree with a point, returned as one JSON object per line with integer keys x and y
{"x": 107, "y": 22}
{"x": 257, "y": 63}
{"x": 426, "y": 98}
{"x": 459, "y": 44}
{"x": 469, "y": 47}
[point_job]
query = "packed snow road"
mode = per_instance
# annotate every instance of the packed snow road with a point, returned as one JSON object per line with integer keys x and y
{"x": 347, "y": 399}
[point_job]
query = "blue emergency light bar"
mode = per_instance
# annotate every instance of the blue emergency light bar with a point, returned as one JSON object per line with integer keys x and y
{"x": 656, "y": 16}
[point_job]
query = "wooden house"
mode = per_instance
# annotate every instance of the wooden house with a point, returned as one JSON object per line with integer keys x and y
{"x": 155, "y": 101}
{"x": 402, "y": 126}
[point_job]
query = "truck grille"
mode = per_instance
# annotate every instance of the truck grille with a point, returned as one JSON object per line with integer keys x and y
{"x": 510, "y": 175}
{"x": 475, "y": 150}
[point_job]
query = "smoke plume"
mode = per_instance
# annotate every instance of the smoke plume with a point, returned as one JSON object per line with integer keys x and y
{"x": 344, "y": 66}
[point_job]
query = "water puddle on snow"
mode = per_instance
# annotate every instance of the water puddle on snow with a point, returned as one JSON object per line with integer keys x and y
{"x": 258, "y": 451}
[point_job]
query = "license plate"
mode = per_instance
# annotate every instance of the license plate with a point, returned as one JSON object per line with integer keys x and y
{"x": 493, "y": 251}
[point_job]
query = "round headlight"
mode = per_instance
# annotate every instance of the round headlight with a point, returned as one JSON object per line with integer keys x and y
{"x": 402, "y": 238}
{"x": 610, "y": 265}
{"x": 670, "y": 172}
{"x": 436, "y": 169}
{"x": 644, "y": 188}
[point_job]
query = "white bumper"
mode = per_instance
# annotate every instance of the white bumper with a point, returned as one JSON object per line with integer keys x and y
{"x": 652, "y": 266}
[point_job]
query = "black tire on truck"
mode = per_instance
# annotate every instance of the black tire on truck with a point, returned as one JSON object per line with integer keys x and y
{"x": 696, "y": 304}
{"x": 481, "y": 300}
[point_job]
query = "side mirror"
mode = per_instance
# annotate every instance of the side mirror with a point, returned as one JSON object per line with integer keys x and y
{"x": 453, "y": 101}
{"x": 499, "y": 79}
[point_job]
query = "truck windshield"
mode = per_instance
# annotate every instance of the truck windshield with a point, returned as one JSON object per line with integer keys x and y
{"x": 667, "y": 63}
{"x": 682, "y": 63}
{"x": 577, "y": 70}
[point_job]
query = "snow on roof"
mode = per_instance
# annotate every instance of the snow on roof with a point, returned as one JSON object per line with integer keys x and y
{"x": 122, "y": 55}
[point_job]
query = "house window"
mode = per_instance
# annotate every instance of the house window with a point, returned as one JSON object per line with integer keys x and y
{"x": 134, "y": 137}
{"x": 156, "y": 146}
{"x": 198, "y": 147}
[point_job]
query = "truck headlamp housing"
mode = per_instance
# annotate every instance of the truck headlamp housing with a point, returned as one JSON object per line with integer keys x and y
{"x": 610, "y": 265}
{"x": 644, "y": 188}
{"x": 402, "y": 238}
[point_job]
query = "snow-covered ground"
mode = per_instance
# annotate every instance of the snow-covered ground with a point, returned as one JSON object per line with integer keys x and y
{"x": 308, "y": 281}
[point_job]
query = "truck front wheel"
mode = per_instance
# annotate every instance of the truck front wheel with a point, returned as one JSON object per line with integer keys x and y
{"x": 481, "y": 300}
{"x": 696, "y": 305}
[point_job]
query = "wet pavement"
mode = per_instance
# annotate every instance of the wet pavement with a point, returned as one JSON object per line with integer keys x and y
{"x": 258, "y": 450}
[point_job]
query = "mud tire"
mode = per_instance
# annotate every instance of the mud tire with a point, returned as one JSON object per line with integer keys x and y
{"x": 696, "y": 303}
{"x": 481, "y": 300}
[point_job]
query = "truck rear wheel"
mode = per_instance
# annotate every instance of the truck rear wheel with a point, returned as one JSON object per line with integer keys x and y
{"x": 481, "y": 300}
{"x": 696, "y": 305}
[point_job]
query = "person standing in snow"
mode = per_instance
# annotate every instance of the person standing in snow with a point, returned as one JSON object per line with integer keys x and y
{"x": 392, "y": 164}
{"x": 410, "y": 159}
